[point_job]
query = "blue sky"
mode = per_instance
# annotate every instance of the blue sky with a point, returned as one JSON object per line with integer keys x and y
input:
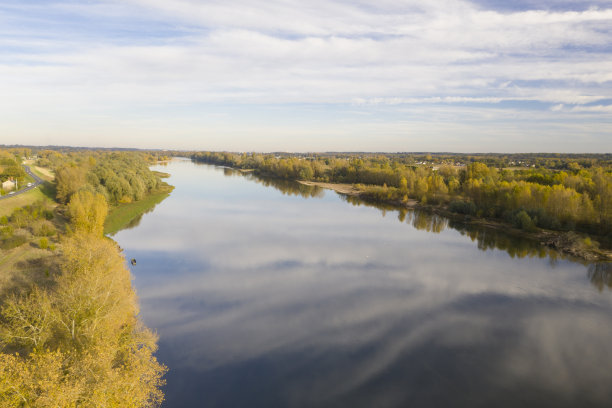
{"x": 391, "y": 75}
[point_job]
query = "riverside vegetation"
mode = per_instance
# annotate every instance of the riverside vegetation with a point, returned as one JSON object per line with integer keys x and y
{"x": 568, "y": 194}
{"x": 69, "y": 331}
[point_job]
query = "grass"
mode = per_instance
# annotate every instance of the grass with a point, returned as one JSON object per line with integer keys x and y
{"x": 8, "y": 205}
{"x": 45, "y": 190}
{"x": 123, "y": 215}
{"x": 21, "y": 266}
{"x": 47, "y": 175}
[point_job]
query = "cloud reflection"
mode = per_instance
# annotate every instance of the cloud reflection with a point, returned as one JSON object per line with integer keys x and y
{"x": 265, "y": 299}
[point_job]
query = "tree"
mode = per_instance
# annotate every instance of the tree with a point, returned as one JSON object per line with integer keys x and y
{"x": 79, "y": 343}
{"x": 87, "y": 212}
{"x": 69, "y": 180}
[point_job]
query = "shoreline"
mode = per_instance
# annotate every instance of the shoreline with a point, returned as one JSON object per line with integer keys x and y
{"x": 123, "y": 215}
{"x": 347, "y": 189}
{"x": 567, "y": 242}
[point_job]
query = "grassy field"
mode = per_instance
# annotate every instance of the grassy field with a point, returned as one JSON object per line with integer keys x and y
{"x": 121, "y": 216}
{"x": 21, "y": 266}
{"x": 43, "y": 173}
{"x": 8, "y": 205}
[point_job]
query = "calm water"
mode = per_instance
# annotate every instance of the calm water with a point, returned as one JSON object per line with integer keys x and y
{"x": 272, "y": 294}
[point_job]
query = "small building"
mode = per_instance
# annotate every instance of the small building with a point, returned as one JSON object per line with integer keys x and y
{"x": 9, "y": 185}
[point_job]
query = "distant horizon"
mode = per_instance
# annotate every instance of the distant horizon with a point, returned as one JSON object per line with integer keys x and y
{"x": 292, "y": 152}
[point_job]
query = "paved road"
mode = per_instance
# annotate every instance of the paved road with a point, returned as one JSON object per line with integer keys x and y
{"x": 37, "y": 181}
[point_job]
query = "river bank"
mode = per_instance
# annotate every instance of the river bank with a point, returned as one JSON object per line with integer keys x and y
{"x": 125, "y": 214}
{"x": 571, "y": 243}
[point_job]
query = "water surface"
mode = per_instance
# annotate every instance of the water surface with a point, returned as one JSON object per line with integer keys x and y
{"x": 273, "y": 294}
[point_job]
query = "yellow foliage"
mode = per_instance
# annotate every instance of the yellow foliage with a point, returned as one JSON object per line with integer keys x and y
{"x": 87, "y": 212}
{"x": 79, "y": 343}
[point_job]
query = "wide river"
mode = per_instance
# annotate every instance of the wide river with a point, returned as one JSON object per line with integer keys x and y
{"x": 272, "y": 294}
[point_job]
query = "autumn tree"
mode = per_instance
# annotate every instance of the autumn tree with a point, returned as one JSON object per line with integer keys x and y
{"x": 79, "y": 343}
{"x": 87, "y": 212}
{"x": 69, "y": 180}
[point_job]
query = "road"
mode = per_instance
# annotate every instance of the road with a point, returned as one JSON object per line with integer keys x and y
{"x": 37, "y": 181}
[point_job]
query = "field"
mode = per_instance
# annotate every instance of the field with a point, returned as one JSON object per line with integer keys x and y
{"x": 8, "y": 205}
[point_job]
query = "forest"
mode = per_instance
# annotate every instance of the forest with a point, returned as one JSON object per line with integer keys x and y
{"x": 555, "y": 192}
{"x": 69, "y": 329}
{"x": 120, "y": 177}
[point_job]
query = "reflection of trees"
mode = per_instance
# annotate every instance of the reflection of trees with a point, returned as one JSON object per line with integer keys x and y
{"x": 492, "y": 239}
{"x": 600, "y": 275}
{"x": 357, "y": 202}
{"x": 486, "y": 238}
{"x": 284, "y": 186}
{"x": 429, "y": 222}
{"x": 289, "y": 187}
{"x": 136, "y": 221}
{"x": 229, "y": 172}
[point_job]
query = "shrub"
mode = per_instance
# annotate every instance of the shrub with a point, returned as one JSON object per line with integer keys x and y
{"x": 524, "y": 221}
{"x": 43, "y": 228}
{"x": 13, "y": 242}
{"x": 8, "y": 231}
{"x": 462, "y": 207}
{"x": 43, "y": 243}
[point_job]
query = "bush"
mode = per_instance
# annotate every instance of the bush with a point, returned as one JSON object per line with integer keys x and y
{"x": 8, "y": 231}
{"x": 462, "y": 207}
{"x": 43, "y": 229}
{"x": 13, "y": 242}
{"x": 43, "y": 243}
{"x": 4, "y": 220}
{"x": 523, "y": 221}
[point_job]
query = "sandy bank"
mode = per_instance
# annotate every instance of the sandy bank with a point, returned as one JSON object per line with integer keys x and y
{"x": 347, "y": 189}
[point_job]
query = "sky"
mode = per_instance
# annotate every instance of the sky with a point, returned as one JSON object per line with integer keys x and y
{"x": 316, "y": 75}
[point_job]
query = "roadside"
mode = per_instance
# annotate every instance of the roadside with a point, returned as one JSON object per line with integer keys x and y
{"x": 29, "y": 186}
{"x": 41, "y": 188}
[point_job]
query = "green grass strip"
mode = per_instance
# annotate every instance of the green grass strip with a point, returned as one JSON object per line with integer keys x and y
{"x": 125, "y": 215}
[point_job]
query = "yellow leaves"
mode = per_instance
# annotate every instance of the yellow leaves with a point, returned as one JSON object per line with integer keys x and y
{"x": 38, "y": 380}
{"x": 87, "y": 212}
{"x": 62, "y": 379}
{"x": 94, "y": 291}
{"x": 79, "y": 342}
{"x": 69, "y": 179}
{"x": 27, "y": 320}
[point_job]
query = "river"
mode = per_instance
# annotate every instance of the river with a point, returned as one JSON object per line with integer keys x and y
{"x": 274, "y": 294}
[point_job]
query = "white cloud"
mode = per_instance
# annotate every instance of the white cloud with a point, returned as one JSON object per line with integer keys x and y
{"x": 288, "y": 52}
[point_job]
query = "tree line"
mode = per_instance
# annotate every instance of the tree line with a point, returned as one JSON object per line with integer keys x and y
{"x": 121, "y": 177}
{"x": 571, "y": 196}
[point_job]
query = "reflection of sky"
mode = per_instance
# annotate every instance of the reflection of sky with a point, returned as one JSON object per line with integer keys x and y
{"x": 268, "y": 299}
